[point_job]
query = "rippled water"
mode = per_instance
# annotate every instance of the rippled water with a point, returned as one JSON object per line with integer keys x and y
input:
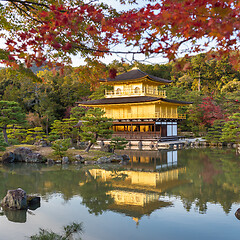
{"x": 185, "y": 194}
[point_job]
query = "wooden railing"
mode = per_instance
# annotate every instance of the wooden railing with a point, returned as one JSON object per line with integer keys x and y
{"x": 132, "y": 92}
{"x": 146, "y": 116}
{"x": 137, "y": 135}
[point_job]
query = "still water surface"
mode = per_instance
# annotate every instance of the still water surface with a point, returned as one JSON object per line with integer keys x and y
{"x": 185, "y": 194}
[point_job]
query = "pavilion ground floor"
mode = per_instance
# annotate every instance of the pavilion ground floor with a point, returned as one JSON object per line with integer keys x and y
{"x": 146, "y": 129}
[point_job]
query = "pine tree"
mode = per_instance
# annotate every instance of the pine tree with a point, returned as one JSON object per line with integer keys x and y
{"x": 10, "y": 114}
{"x": 118, "y": 143}
{"x": 3, "y": 144}
{"x": 65, "y": 128}
{"x": 95, "y": 126}
{"x": 214, "y": 133}
{"x": 231, "y": 130}
{"x": 60, "y": 147}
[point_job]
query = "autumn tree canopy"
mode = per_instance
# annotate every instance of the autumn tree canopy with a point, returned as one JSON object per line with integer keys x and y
{"x": 50, "y": 31}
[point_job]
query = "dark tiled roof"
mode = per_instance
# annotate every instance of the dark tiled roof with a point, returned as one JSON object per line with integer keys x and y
{"x": 125, "y": 100}
{"x": 175, "y": 101}
{"x": 135, "y": 74}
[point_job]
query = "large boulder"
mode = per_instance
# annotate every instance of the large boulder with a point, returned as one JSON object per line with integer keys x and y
{"x": 15, "y": 199}
{"x": 8, "y": 157}
{"x": 24, "y": 154}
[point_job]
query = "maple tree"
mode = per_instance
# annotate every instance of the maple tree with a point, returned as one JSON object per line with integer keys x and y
{"x": 205, "y": 114}
{"x": 47, "y": 32}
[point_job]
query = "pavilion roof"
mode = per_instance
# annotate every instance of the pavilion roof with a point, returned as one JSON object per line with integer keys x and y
{"x": 135, "y": 74}
{"x": 126, "y": 100}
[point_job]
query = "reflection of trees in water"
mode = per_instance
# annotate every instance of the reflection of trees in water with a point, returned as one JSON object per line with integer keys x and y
{"x": 41, "y": 180}
{"x": 47, "y": 181}
{"x": 94, "y": 196}
{"x": 214, "y": 177}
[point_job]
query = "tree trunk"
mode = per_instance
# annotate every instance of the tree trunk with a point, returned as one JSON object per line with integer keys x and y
{"x": 5, "y": 134}
{"x": 88, "y": 147}
{"x": 47, "y": 126}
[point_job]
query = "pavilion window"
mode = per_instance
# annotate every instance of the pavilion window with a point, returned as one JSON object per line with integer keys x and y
{"x": 174, "y": 129}
{"x": 119, "y": 91}
{"x": 137, "y": 90}
{"x": 169, "y": 130}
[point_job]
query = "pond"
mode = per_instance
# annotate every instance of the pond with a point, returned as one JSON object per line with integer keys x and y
{"x": 179, "y": 194}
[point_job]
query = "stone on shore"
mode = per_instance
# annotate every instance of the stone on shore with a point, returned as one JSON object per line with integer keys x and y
{"x": 24, "y": 154}
{"x": 65, "y": 160}
{"x": 79, "y": 158}
{"x": 113, "y": 158}
{"x": 8, "y": 157}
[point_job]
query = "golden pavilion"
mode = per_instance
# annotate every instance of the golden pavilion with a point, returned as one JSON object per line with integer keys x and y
{"x": 138, "y": 108}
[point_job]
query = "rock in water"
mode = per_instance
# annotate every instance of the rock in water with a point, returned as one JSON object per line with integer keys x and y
{"x": 15, "y": 199}
{"x": 33, "y": 202}
{"x": 237, "y": 214}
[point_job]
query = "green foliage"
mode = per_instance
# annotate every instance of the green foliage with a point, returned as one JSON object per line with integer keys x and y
{"x": 68, "y": 234}
{"x": 100, "y": 92}
{"x": 211, "y": 74}
{"x": 46, "y": 94}
{"x": 95, "y": 126}
{"x": 231, "y": 130}
{"x": 53, "y": 137}
{"x": 118, "y": 143}
{"x": 64, "y": 128}
{"x": 214, "y": 133}
{"x": 34, "y": 134}
{"x": 60, "y": 147}
{"x": 77, "y": 112}
{"x": 10, "y": 114}
{"x": 3, "y": 144}
{"x": 158, "y": 70}
{"x": 16, "y": 134}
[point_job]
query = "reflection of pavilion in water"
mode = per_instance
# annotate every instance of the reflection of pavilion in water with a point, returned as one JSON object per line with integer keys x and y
{"x": 137, "y": 193}
{"x": 152, "y": 160}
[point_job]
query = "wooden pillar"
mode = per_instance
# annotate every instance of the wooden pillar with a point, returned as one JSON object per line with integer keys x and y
{"x": 160, "y": 131}
{"x": 155, "y": 129}
{"x": 131, "y": 129}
